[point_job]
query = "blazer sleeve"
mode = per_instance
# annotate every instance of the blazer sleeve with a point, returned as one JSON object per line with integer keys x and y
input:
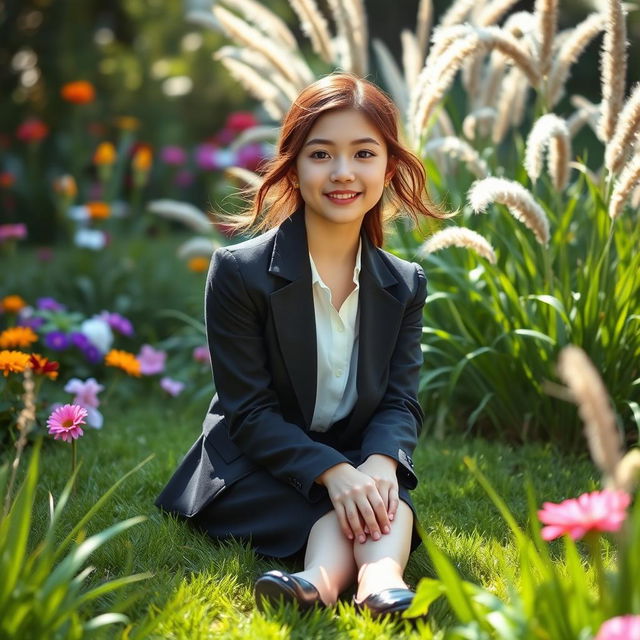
{"x": 243, "y": 383}
{"x": 395, "y": 426}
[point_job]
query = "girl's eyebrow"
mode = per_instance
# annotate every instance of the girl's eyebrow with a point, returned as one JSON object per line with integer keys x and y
{"x": 329, "y": 142}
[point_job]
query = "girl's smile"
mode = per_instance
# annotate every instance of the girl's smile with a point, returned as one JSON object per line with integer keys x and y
{"x": 341, "y": 168}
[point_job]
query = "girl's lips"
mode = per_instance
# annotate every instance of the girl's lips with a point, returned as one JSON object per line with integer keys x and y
{"x": 343, "y": 200}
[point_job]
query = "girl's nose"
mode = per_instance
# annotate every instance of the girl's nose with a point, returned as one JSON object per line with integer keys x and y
{"x": 342, "y": 172}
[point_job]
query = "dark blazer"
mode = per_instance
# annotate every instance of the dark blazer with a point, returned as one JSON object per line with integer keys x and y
{"x": 261, "y": 332}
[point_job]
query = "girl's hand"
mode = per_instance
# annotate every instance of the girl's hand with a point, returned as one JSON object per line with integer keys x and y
{"x": 356, "y": 499}
{"x": 382, "y": 469}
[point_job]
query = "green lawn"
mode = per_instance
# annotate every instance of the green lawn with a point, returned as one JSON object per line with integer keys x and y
{"x": 203, "y": 589}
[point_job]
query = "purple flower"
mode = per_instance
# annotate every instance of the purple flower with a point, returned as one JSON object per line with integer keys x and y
{"x": 49, "y": 304}
{"x": 183, "y": 178}
{"x": 201, "y": 354}
{"x": 173, "y": 155}
{"x": 56, "y": 340}
{"x": 151, "y": 360}
{"x": 250, "y": 156}
{"x": 205, "y": 157}
{"x": 92, "y": 354}
{"x": 78, "y": 339}
{"x": 118, "y": 323}
{"x": 33, "y": 322}
{"x": 172, "y": 387}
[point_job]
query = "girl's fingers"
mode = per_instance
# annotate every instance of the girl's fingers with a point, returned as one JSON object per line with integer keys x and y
{"x": 354, "y": 522}
{"x": 394, "y": 500}
{"x": 342, "y": 519}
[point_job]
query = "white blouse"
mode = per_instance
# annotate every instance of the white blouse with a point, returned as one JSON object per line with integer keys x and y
{"x": 337, "y": 349}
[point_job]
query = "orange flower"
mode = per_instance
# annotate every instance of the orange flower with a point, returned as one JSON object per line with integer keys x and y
{"x": 142, "y": 159}
{"x": 7, "y": 179}
{"x": 198, "y": 264}
{"x": 79, "y": 92}
{"x": 123, "y": 360}
{"x": 13, "y": 362}
{"x": 12, "y": 304}
{"x": 127, "y": 123}
{"x": 105, "y": 154}
{"x": 66, "y": 186}
{"x": 98, "y": 210}
{"x": 43, "y": 366}
{"x": 17, "y": 337}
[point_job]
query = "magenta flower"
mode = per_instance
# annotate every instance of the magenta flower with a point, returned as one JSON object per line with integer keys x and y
{"x": 201, "y": 354}
{"x": 117, "y": 322}
{"x": 64, "y": 422}
{"x": 151, "y": 360}
{"x": 11, "y": 231}
{"x": 596, "y": 511}
{"x": 173, "y": 155}
{"x": 172, "y": 387}
{"x": 620, "y": 628}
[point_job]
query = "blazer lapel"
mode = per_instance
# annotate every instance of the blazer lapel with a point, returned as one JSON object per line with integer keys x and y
{"x": 293, "y": 311}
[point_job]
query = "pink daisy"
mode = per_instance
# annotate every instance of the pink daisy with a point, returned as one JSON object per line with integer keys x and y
{"x": 64, "y": 423}
{"x": 620, "y": 628}
{"x": 596, "y": 511}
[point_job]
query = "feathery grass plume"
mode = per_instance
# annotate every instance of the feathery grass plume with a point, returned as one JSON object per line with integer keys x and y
{"x": 493, "y": 12}
{"x": 273, "y": 101}
{"x": 512, "y": 96}
{"x": 266, "y": 20}
{"x": 627, "y": 474}
{"x": 458, "y": 237}
{"x": 516, "y": 198}
{"x": 359, "y": 20}
{"x": 392, "y": 75}
{"x": 546, "y": 13}
{"x": 314, "y": 26}
{"x": 626, "y": 135}
{"x": 26, "y": 418}
{"x": 635, "y": 198}
{"x": 424, "y": 21}
{"x": 259, "y": 133}
{"x": 574, "y": 44}
{"x": 463, "y": 151}
{"x": 457, "y": 12}
{"x": 546, "y": 129}
{"x": 283, "y": 61}
{"x": 613, "y": 62}
{"x": 478, "y": 122}
{"x": 411, "y": 57}
{"x": 353, "y": 58}
{"x": 629, "y": 178}
{"x": 472, "y": 71}
{"x": 493, "y": 77}
{"x": 577, "y": 371}
{"x": 182, "y": 212}
{"x": 197, "y": 247}
{"x": 594, "y": 110}
{"x": 250, "y": 178}
{"x": 262, "y": 67}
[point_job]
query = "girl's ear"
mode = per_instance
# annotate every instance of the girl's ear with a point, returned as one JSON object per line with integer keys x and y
{"x": 392, "y": 165}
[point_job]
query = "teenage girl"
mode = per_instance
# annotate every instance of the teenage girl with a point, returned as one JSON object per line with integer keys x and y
{"x": 314, "y": 333}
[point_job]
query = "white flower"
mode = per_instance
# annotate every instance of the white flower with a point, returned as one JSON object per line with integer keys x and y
{"x": 90, "y": 239}
{"x": 99, "y": 333}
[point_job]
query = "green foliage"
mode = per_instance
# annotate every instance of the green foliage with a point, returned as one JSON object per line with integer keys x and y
{"x": 492, "y": 332}
{"x": 43, "y": 592}
{"x": 548, "y": 597}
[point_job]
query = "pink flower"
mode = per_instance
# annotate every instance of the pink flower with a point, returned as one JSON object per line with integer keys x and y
{"x": 10, "y": 231}
{"x": 173, "y": 155}
{"x": 620, "y": 628}
{"x": 172, "y": 387}
{"x": 151, "y": 360}
{"x": 64, "y": 423}
{"x": 241, "y": 120}
{"x": 596, "y": 511}
{"x": 86, "y": 392}
{"x": 201, "y": 354}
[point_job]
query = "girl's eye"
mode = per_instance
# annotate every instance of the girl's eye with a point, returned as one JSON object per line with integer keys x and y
{"x": 370, "y": 154}
{"x": 313, "y": 155}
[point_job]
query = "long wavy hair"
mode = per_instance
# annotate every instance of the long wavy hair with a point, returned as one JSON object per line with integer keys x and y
{"x": 276, "y": 199}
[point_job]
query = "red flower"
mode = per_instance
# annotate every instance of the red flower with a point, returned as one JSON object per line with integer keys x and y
{"x": 43, "y": 366}
{"x": 32, "y": 130}
{"x": 241, "y": 120}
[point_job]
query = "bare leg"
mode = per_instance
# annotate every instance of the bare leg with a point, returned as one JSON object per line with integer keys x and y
{"x": 381, "y": 562}
{"x": 328, "y": 564}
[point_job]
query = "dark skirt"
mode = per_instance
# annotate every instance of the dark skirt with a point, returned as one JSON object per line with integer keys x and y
{"x": 271, "y": 515}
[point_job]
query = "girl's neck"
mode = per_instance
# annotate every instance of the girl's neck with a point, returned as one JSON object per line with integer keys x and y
{"x": 332, "y": 243}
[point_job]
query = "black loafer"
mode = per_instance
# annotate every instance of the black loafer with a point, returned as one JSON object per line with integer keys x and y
{"x": 275, "y": 586}
{"x": 388, "y": 602}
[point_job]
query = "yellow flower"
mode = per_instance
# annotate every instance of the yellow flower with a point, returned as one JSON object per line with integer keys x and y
{"x": 98, "y": 210}
{"x": 13, "y": 362}
{"x": 123, "y": 360}
{"x": 12, "y": 304}
{"x": 127, "y": 123}
{"x": 105, "y": 154}
{"x": 66, "y": 186}
{"x": 142, "y": 159}
{"x": 198, "y": 264}
{"x": 17, "y": 337}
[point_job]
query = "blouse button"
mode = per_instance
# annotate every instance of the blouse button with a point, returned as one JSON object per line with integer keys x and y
{"x": 338, "y": 373}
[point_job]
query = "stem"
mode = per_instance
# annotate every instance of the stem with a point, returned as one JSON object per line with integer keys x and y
{"x": 595, "y": 549}
{"x": 74, "y": 454}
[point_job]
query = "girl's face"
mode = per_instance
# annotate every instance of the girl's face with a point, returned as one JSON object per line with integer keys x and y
{"x": 341, "y": 167}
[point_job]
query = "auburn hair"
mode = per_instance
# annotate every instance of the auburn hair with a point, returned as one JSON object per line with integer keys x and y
{"x": 276, "y": 199}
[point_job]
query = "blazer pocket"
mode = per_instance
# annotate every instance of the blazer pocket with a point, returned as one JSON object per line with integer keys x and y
{"x": 223, "y": 444}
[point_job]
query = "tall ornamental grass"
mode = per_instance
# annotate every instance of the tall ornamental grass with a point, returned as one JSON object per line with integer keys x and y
{"x": 553, "y": 258}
